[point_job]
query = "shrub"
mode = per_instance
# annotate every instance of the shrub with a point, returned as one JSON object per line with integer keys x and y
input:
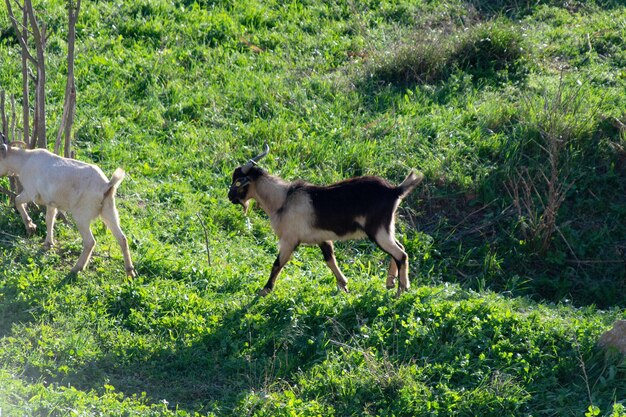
{"x": 484, "y": 51}
{"x": 490, "y": 48}
{"x": 556, "y": 123}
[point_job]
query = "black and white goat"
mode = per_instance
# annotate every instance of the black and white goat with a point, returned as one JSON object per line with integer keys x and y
{"x": 303, "y": 213}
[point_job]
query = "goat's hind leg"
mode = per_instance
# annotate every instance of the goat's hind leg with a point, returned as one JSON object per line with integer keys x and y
{"x": 111, "y": 219}
{"x": 390, "y": 245}
{"x": 20, "y": 204}
{"x": 329, "y": 257}
{"x": 51, "y": 214}
{"x": 392, "y": 274}
{"x": 89, "y": 243}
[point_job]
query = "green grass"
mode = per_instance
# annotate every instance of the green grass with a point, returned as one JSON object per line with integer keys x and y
{"x": 179, "y": 93}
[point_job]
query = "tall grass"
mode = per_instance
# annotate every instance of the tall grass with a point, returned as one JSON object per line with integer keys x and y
{"x": 559, "y": 127}
{"x": 483, "y": 50}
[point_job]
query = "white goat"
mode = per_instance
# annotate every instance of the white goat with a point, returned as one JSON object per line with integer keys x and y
{"x": 67, "y": 185}
{"x": 302, "y": 213}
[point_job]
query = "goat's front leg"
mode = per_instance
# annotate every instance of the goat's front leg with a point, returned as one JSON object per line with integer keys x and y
{"x": 51, "y": 214}
{"x": 88, "y": 244}
{"x": 20, "y": 203}
{"x": 284, "y": 253}
{"x": 329, "y": 257}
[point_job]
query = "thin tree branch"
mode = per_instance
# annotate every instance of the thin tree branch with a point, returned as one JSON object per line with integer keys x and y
{"x": 16, "y": 26}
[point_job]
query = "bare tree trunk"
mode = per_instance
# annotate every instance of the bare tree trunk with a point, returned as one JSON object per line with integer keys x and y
{"x": 5, "y": 133}
{"x": 69, "y": 107}
{"x": 25, "y": 101}
{"x": 67, "y": 151}
{"x": 22, "y": 36}
{"x": 3, "y": 114}
{"x": 14, "y": 183}
{"x": 13, "y": 117}
{"x": 39, "y": 36}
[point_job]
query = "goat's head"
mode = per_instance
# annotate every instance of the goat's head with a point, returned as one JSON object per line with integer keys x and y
{"x": 243, "y": 177}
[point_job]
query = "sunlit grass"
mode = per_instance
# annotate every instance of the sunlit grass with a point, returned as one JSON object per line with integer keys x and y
{"x": 179, "y": 93}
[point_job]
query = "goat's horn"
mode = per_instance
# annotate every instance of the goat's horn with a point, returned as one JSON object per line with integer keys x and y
{"x": 252, "y": 162}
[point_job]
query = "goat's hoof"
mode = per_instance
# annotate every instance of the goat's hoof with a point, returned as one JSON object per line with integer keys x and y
{"x": 400, "y": 291}
{"x": 48, "y": 245}
{"x": 131, "y": 273}
{"x": 391, "y": 282}
{"x": 343, "y": 288}
{"x": 31, "y": 229}
{"x": 264, "y": 291}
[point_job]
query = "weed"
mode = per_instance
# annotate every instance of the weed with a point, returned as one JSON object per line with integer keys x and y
{"x": 563, "y": 120}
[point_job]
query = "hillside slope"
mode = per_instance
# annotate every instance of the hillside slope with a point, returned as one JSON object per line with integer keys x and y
{"x": 513, "y": 110}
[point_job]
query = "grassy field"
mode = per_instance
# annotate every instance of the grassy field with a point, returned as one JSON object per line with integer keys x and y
{"x": 513, "y": 110}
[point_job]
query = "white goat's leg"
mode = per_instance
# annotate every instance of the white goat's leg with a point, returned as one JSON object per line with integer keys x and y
{"x": 88, "y": 244}
{"x": 387, "y": 243}
{"x": 51, "y": 214}
{"x": 111, "y": 219}
{"x": 284, "y": 253}
{"x": 20, "y": 203}
{"x": 329, "y": 256}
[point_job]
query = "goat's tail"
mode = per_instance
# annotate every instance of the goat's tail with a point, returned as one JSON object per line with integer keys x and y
{"x": 410, "y": 182}
{"x": 115, "y": 181}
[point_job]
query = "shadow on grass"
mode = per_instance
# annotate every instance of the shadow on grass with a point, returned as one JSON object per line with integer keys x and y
{"x": 265, "y": 346}
{"x": 259, "y": 347}
{"x": 488, "y": 54}
{"x": 481, "y": 241}
{"x": 12, "y": 310}
{"x": 238, "y": 357}
{"x": 518, "y": 9}
{"x": 21, "y": 299}
{"x": 14, "y": 307}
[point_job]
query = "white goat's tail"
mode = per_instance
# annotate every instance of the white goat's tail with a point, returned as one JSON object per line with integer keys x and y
{"x": 410, "y": 182}
{"x": 115, "y": 181}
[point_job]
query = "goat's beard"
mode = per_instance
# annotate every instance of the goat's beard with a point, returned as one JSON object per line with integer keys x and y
{"x": 245, "y": 205}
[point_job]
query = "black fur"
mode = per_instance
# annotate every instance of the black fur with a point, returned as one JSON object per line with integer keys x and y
{"x": 327, "y": 251}
{"x": 336, "y": 206}
{"x": 237, "y": 193}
